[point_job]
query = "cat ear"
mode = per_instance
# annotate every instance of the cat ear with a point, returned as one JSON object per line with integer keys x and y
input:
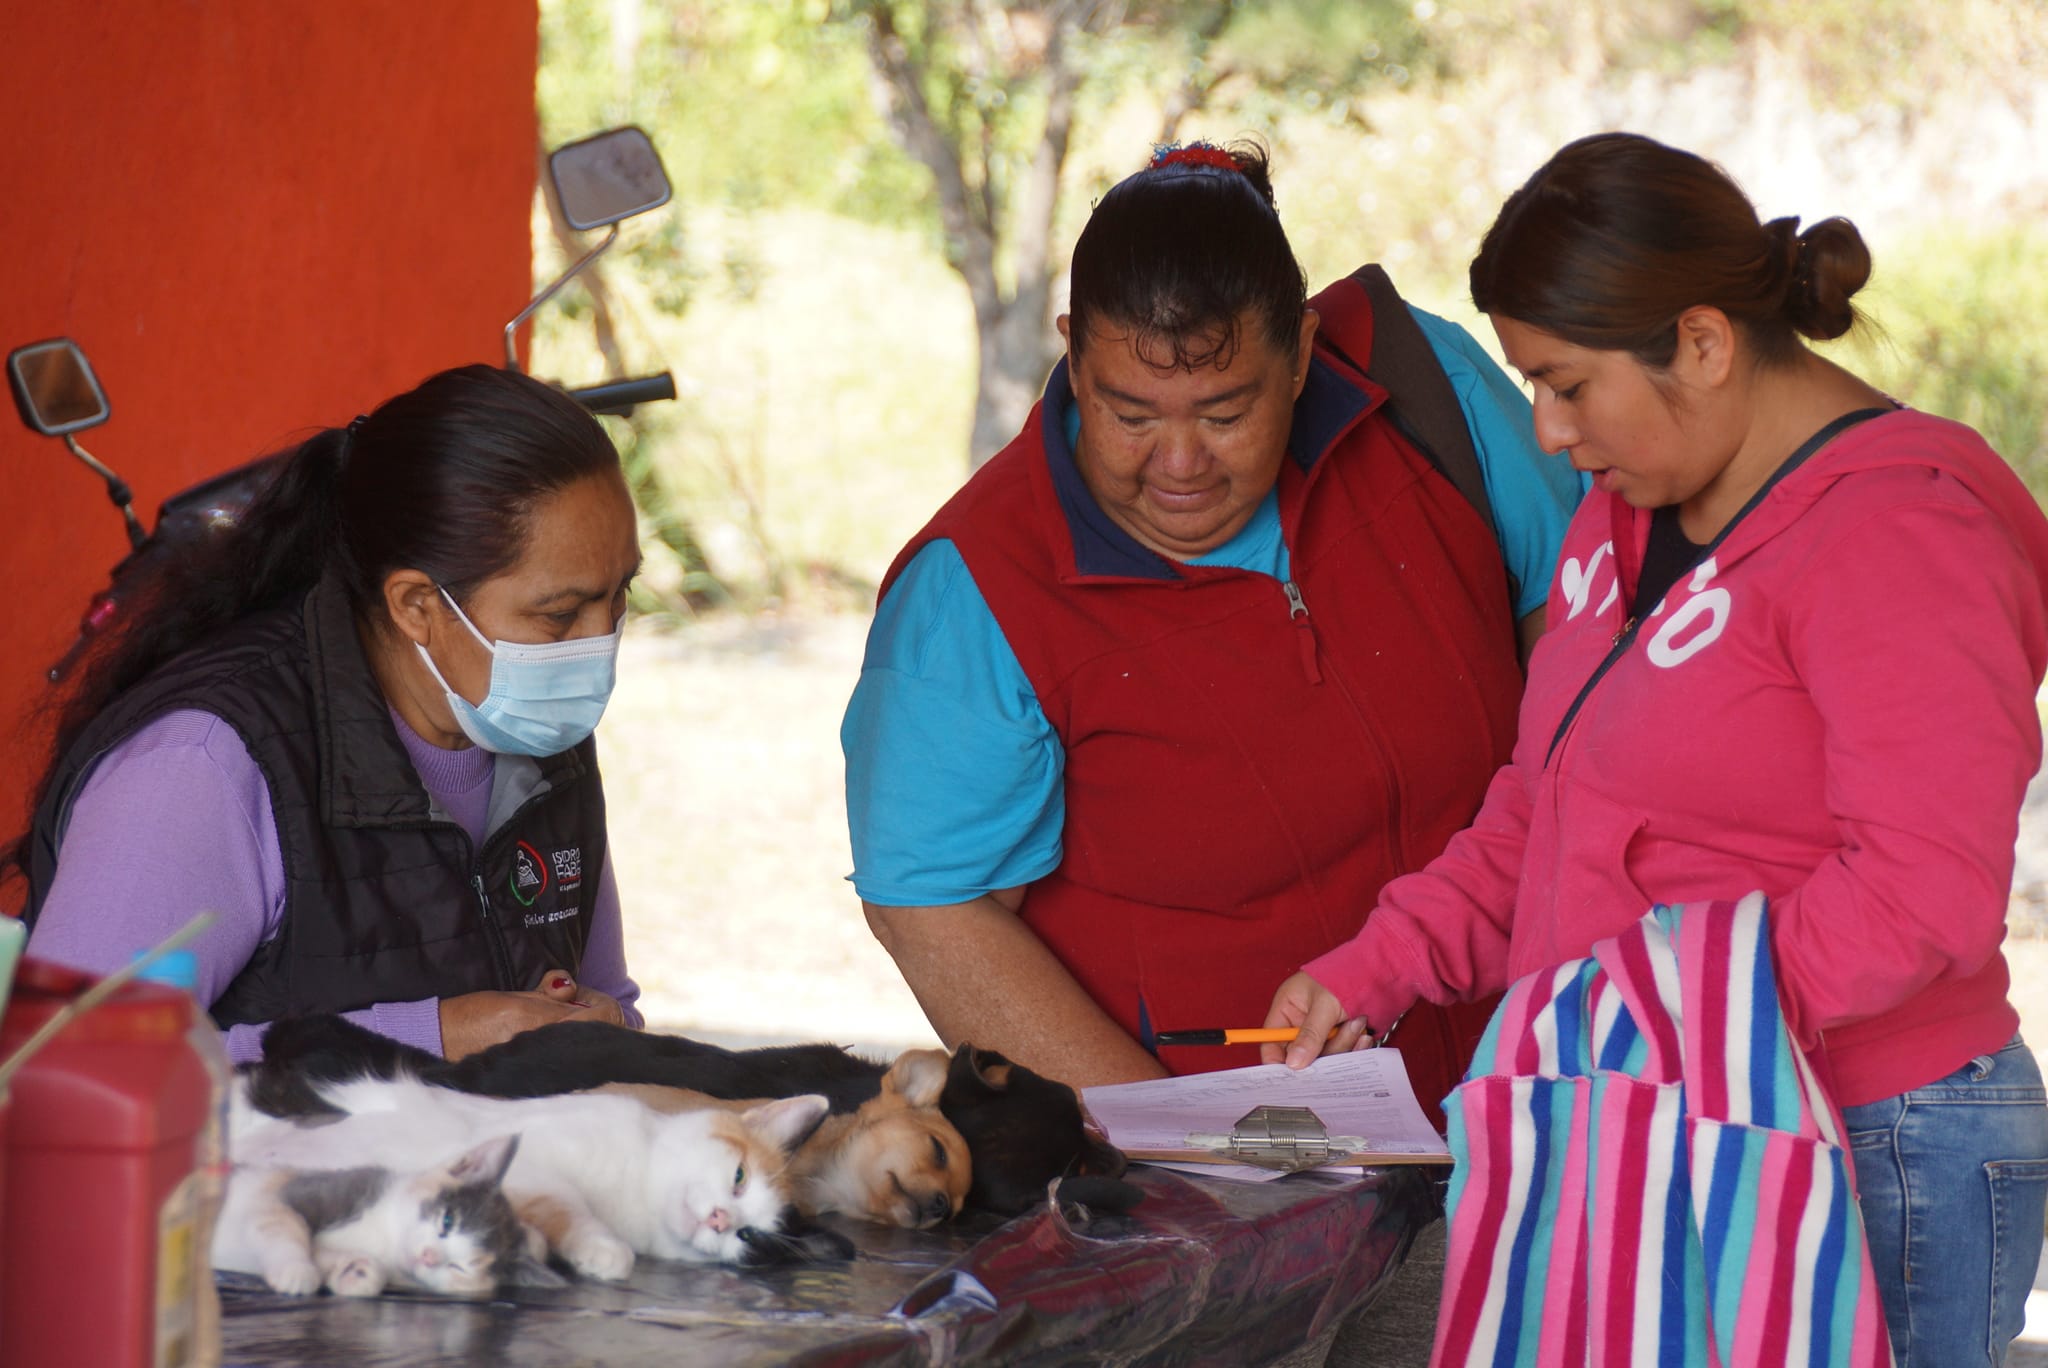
{"x": 486, "y": 1163}
{"x": 918, "y": 1077}
{"x": 786, "y": 1122}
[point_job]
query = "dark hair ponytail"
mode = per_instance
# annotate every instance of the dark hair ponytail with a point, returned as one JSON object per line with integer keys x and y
{"x": 1617, "y": 235}
{"x": 1179, "y": 251}
{"x": 440, "y": 479}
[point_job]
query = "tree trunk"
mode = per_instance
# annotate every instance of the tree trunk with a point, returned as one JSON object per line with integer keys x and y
{"x": 1015, "y": 356}
{"x": 1013, "y": 328}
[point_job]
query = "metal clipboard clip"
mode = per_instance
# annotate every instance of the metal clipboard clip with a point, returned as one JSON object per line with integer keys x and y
{"x": 1286, "y": 1138}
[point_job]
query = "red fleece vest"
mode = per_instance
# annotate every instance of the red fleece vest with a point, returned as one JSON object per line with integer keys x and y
{"x": 1241, "y": 778}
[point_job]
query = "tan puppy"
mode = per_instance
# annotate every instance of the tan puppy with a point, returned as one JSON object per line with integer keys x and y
{"x": 895, "y": 1160}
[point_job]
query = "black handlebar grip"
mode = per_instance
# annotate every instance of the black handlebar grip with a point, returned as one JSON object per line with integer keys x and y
{"x": 620, "y": 396}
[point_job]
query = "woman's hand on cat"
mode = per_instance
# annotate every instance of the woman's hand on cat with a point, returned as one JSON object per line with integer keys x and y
{"x": 477, "y": 1021}
{"x": 598, "y": 1006}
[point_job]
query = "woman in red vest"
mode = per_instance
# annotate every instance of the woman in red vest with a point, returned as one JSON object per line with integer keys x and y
{"x": 1157, "y": 702}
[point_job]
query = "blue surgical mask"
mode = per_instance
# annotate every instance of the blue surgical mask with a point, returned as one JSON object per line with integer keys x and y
{"x": 545, "y": 697}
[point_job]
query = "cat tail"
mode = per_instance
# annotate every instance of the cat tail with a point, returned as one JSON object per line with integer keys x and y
{"x": 300, "y": 1053}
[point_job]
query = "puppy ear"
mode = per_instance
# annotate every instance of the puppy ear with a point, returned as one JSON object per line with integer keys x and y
{"x": 992, "y": 1069}
{"x": 918, "y": 1077}
{"x": 787, "y": 1122}
{"x": 1096, "y": 1193}
{"x": 1099, "y": 1157}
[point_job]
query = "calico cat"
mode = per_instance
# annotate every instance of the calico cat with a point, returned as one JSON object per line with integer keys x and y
{"x": 1024, "y": 1132}
{"x": 447, "y": 1229}
{"x": 601, "y": 1177}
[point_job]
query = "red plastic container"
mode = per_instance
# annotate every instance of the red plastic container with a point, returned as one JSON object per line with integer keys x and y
{"x": 101, "y": 1202}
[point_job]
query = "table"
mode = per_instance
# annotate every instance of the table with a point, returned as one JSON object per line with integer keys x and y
{"x": 1203, "y": 1271}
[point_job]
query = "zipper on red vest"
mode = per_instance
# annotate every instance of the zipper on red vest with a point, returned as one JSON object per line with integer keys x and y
{"x": 1305, "y": 631}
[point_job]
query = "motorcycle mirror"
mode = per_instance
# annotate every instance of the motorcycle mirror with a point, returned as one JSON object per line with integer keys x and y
{"x": 598, "y": 181}
{"x": 55, "y": 389}
{"x": 607, "y": 177}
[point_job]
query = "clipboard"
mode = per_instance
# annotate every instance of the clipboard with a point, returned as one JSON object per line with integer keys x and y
{"x": 1344, "y": 1111}
{"x": 1289, "y": 1139}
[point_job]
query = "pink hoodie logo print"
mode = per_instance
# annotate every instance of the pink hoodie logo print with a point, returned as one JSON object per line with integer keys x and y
{"x": 1577, "y": 581}
{"x": 1708, "y": 608}
{"x": 1700, "y": 620}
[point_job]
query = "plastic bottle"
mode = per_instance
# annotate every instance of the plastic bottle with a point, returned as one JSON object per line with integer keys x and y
{"x": 180, "y": 969}
{"x": 103, "y": 1179}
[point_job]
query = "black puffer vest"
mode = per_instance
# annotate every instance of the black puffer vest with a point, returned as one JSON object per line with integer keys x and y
{"x": 386, "y": 899}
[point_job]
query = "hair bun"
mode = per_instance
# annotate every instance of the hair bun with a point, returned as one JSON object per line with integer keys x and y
{"x": 1830, "y": 264}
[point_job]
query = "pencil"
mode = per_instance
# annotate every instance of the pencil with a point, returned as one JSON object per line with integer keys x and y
{"x": 1253, "y": 1035}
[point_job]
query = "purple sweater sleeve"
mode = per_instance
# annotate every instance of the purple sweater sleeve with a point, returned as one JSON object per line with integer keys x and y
{"x": 604, "y": 954}
{"x": 173, "y": 821}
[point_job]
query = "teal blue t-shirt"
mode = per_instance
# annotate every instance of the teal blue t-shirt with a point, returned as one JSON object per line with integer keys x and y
{"x": 953, "y": 772}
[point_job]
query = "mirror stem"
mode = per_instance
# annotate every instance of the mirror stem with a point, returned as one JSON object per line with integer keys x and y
{"x": 512, "y": 328}
{"x": 117, "y": 490}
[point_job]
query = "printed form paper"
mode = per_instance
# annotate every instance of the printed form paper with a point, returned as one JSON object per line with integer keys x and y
{"x": 1364, "y": 1093}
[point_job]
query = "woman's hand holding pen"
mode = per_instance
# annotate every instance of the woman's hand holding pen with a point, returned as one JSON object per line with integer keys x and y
{"x": 1318, "y": 1019}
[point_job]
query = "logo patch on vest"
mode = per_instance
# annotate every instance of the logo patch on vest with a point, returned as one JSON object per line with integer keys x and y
{"x": 568, "y": 867}
{"x": 529, "y": 875}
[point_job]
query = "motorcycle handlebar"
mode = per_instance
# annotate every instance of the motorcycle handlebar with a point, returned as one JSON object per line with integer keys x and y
{"x": 621, "y": 396}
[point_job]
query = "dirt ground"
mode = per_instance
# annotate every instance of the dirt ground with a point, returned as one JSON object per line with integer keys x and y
{"x": 728, "y": 827}
{"x": 722, "y": 765}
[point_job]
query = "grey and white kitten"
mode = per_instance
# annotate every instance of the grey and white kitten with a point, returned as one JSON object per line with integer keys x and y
{"x": 601, "y": 1177}
{"x": 448, "y": 1228}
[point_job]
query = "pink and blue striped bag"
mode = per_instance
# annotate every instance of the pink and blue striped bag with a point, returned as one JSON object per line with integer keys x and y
{"x": 1649, "y": 1174}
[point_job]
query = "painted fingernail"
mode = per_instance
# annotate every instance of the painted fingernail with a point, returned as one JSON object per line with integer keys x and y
{"x": 561, "y": 981}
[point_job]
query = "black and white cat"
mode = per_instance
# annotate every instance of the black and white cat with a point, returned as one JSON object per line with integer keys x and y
{"x": 600, "y": 1176}
{"x": 447, "y": 1228}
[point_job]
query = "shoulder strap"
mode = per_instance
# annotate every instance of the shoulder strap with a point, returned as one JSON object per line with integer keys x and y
{"x": 1388, "y": 345}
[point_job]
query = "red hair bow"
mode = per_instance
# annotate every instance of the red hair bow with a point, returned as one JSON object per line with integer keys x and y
{"x": 1194, "y": 154}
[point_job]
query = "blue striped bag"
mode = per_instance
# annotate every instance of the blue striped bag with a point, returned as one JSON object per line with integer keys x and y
{"x": 1648, "y": 1172}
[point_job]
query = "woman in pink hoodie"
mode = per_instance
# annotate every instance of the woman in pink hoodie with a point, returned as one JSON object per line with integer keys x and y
{"x": 1795, "y": 640}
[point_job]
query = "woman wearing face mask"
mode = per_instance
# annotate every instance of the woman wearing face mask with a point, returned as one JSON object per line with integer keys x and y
{"x": 358, "y": 728}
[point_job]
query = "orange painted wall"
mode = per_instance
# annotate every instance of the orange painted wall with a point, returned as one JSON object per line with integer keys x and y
{"x": 256, "y": 216}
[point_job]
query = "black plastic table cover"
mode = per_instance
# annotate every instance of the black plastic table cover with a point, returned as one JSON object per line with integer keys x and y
{"x": 1203, "y": 1271}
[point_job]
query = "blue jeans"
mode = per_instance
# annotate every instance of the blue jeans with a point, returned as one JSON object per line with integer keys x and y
{"x": 1952, "y": 1178}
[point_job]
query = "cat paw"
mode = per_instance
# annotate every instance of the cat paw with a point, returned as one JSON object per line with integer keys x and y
{"x": 598, "y": 1254}
{"x": 356, "y": 1277}
{"x": 292, "y": 1274}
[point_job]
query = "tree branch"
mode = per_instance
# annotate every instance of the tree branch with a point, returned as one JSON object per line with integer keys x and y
{"x": 1038, "y": 194}
{"x": 899, "y": 94}
{"x": 1193, "y": 93}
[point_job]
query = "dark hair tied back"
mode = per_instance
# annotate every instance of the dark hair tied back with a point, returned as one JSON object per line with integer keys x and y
{"x": 1180, "y": 253}
{"x": 440, "y": 479}
{"x": 1833, "y": 264}
{"x": 1617, "y": 235}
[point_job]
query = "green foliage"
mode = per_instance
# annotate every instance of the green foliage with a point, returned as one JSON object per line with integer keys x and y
{"x": 1321, "y": 55}
{"x": 1856, "y": 55}
{"x": 1958, "y": 332}
{"x": 751, "y": 101}
{"x": 1863, "y": 53}
{"x": 826, "y": 354}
